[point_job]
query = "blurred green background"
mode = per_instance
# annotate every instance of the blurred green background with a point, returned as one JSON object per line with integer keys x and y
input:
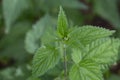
{"x": 21, "y": 26}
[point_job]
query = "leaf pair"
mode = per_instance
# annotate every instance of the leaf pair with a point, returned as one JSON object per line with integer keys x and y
{"x": 48, "y": 56}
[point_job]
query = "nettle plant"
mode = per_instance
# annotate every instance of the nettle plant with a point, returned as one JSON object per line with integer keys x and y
{"x": 88, "y": 50}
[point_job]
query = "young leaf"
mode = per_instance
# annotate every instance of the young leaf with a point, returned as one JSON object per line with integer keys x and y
{"x": 85, "y": 70}
{"x": 12, "y": 11}
{"x": 86, "y": 34}
{"x": 103, "y": 51}
{"x": 45, "y": 59}
{"x": 62, "y": 23}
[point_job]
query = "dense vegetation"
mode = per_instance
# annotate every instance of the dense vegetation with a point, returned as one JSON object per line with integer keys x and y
{"x": 26, "y": 27}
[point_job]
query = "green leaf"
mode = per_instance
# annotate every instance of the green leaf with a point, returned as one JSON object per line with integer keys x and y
{"x": 103, "y": 51}
{"x": 86, "y": 34}
{"x": 85, "y": 70}
{"x": 32, "y": 41}
{"x": 108, "y": 10}
{"x": 45, "y": 59}
{"x": 76, "y": 55}
{"x": 12, "y": 11}
{"x": 62, "y": 23}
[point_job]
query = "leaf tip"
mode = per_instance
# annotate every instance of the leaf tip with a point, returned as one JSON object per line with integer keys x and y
{"x": 61, "y": 11}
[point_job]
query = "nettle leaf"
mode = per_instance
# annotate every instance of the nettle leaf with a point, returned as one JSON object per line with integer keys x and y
{"x": 103, "y": 51}
{"x": 108, "y": 10}
{"x": 45, "y": 59}
{"x": 32, "y": 41}
{"x": 85, "y": 70}
{"x": 12, "y": 11}
{"x": 76, "y": 55}
{"x": 62, "y": 23}
{"x": 86, "y": 34}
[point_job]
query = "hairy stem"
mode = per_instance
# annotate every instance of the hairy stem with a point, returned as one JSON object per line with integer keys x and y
{"x": 65, "y": 62}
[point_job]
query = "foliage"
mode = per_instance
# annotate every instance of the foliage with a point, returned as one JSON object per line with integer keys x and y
{"x": 98, "y": 51}
{"x": 29, "y": 26}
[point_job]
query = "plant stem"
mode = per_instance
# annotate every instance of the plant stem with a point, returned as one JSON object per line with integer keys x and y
{"x": 65, "y": 62}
